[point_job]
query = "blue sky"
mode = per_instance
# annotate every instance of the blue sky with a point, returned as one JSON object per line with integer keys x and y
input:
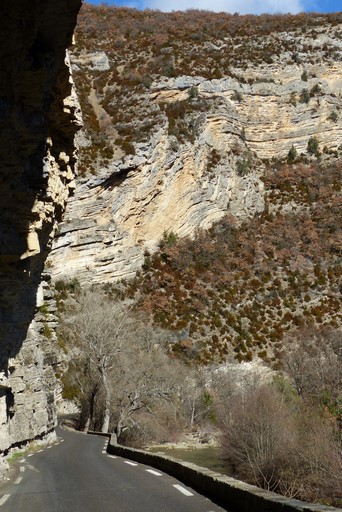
{"x": 241, "y": 6}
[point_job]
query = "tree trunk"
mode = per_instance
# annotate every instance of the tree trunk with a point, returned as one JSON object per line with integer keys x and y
{"x": 106, "y": 412}
{"x": 105, "y": 422}
{"x": 87, "y": 424}
{"x": 91, "y": 409}
{"x": 192, "y": 419}
{"x": 118, "y": 430}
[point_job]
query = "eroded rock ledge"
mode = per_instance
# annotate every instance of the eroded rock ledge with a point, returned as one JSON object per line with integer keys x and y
{"x": 166, "y": 185}
{"x": 38, "y": 121}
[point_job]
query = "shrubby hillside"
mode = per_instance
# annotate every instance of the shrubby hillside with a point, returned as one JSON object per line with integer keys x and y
{"x": 131, "y": 50}
{"x": 240, "y": 288}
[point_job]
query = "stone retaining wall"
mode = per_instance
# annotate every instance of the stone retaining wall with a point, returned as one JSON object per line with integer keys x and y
{"x": 227, "y": 492}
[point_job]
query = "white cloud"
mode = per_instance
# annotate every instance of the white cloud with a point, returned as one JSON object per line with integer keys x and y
{"x": 231, "y": 6}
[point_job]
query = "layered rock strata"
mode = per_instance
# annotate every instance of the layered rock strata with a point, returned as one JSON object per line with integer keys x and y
{"x": 176, "y": 186}
{"x": 38, "y": 120}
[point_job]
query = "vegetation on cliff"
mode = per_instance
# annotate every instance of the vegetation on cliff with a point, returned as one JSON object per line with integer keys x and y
{"x": 145, "y": 46}
{"x": 239, "y": 288}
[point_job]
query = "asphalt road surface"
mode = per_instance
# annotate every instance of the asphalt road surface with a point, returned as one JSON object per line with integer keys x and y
{"x": 77, "y": 475}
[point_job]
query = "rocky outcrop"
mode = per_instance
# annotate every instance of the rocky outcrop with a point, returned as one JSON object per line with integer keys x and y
{"x": 38, "y": 117}
{"x": 115, "y": 217}
{"x": 236, "y": 124}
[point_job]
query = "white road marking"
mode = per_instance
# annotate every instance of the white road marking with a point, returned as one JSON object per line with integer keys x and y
{"x": 22, "y": 469}
{"x": 33, "y": 468}
{"x": 182, "y": 490}
{"x": 18, "y": 480}
{"x": 39, "y": 451}
{"x": 130, "y": 463}
{"x": 49, "y": 447}
{"x": 153, "y": 472}
{"x": 112, "y": 456}
{"x": 30, "y": 455}
{"x": 4, "y": 499}
{"x": 23, "y": 460}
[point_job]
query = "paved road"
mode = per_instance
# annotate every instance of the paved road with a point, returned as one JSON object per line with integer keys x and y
{"x": 77, "y": 475}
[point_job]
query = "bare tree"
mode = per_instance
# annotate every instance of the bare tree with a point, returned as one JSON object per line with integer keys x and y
{"x": 254, "y": 431}
{"x": 141, "y": 381}
{"x": 198, "y": 398}
{"x": 120, "y": 364}
{"x": 279, "y": 444}
{"x": 313, "y": 359}
{"x": 82, "y": 384}
{"x": 100, "y": 328}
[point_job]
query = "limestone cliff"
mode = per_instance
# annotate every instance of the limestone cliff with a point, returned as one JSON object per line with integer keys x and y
{"x": 113, "y": 218}
{"x": 176, "y": 153}
{"x": 39, "y": 116}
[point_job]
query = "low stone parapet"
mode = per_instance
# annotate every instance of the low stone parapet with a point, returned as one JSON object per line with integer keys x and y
{"x": 232, "y": 494}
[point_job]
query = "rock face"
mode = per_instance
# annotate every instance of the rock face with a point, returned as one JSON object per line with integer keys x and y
{"x": 39, "y": 117}
{"x": 114, "y": 217}
{"x": 180, "y": 186}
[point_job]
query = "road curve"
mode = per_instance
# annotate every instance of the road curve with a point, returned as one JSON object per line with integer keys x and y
{"x": 77, "y": 475}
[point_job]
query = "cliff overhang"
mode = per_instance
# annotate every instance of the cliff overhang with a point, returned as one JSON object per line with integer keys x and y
{"x": 38, "y": 120}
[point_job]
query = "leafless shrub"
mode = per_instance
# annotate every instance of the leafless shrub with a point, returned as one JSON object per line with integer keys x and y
{"x": 313, "y": 361}
{"x": 277, "y": 444}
